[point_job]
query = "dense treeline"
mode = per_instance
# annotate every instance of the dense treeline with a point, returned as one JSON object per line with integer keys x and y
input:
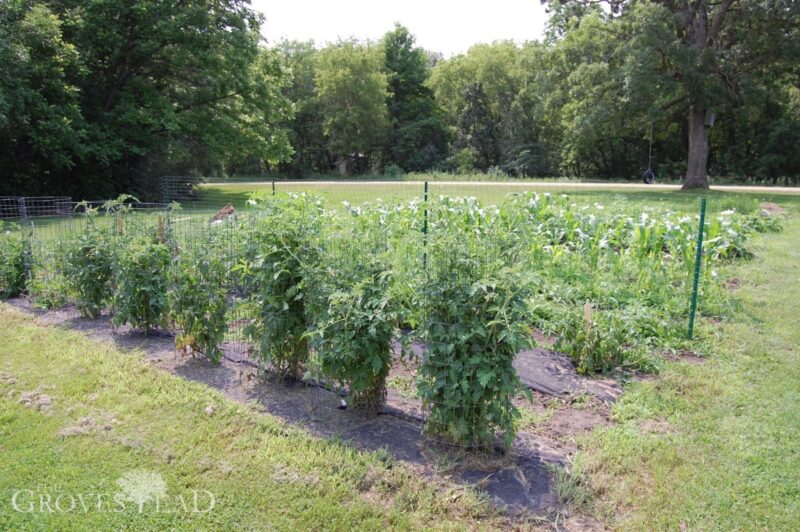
{"x": 105, "y": 96}
{"x": 108, "y": 95}
{"x": 606, "y": 94}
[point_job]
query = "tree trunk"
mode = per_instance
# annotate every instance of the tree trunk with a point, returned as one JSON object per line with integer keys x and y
{"x": 697, "y": 164}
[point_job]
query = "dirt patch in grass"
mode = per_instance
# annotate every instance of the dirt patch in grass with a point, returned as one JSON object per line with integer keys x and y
{"x": 580, "y": 523}
{"x": 656, "y": 426}
{"x": 561, "y": 422}
{"x": 684, "y": 355}
{"x": 89, "y": 424}
{"x": 37, "y": 400}
{"x": 733, "y": 284}
{"x": 771, "y": 208}
{"x": 283, "y": 473}
{"x": 83, "y": 425}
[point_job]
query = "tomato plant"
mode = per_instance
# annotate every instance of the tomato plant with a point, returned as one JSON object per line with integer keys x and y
{"x": 47, "y": 289}
{"x": 278, "y": 248}
{"x": 354, "y": 312}
{"x": 12, "y": 261}
{"x": 140, "y": 282}
{"x": 197, "y": 300}
{"x": 475, "y": 325}
{"x": 88, "y": 269}
{"x": 597, "y": 344}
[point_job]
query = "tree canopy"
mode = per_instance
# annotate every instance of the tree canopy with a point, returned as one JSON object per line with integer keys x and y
{"x": 352, "y": 91}
{"x": 699, "y": 59}
{"x": 417, "y": 139}
{"x": 107, "y": 96}
{"x": 101, "y": 96}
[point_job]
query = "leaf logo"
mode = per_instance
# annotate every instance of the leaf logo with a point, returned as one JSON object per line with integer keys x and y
{"x": 140, "y": 487}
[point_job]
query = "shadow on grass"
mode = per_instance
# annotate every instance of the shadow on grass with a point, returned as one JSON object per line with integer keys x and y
{"x": 519, "y": 480}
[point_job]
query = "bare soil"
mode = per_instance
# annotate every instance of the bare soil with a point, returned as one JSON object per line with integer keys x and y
{"x": 684, "y": 355}
{"x": 733, "y": 284}
{"x": 565, "y": 404}
{"x": 771, "y": 208}
{"x": 561, "y": 422}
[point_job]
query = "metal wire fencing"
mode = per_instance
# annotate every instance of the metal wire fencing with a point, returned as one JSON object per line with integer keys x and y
{"x": 23, "y": 207}
{"x": 348, "y": 285}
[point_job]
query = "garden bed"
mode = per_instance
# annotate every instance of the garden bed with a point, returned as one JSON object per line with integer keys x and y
{"x": 519, "y": 478}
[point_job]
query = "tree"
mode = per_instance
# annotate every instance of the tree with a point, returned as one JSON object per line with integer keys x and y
{"x": 352, "y": 90}
{"x": 477, "y": 131}
{"x": 174, "y": 87}
{"x": 417, "y": 140}
{"x": 511, "y": 79}
{"x": 305, "y": 126}
{"x": 602, "y": 95}
{"x": 42, "y": 129}
{"x": 139, "y": 88}
{"x": 711, "y": 51}
{"x": 530, "y": 147}
{"x": 775, "y": 136}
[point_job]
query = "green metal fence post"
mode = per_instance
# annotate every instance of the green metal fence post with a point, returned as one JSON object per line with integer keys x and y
{"x": 698, "y": 259}
{"x": 273, "y": 187}
{"x": 425, "y": 228}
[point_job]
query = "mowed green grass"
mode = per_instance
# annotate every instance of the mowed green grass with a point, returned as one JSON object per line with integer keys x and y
{"x": 709, "y": 446}
{"x": 216, "y": 196}
{"x": 262, "y": 473}
{"x": 716, "y": 446}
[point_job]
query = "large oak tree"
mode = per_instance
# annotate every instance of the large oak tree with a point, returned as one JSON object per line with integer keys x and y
{"x": 717, "y": 46}
{"x": 103, "y": 96}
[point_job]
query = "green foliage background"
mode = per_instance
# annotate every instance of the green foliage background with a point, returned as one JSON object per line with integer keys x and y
{"x": 107, "y": 96}
{"x": 103, "y": 97}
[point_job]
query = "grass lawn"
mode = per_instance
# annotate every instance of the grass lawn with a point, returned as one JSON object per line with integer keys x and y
{"x": 76, "y": 416}
{"x": 716, "y": 445}
{"x": 216, "y": 196}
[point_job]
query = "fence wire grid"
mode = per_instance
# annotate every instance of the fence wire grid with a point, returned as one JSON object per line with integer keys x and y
{"x": 467, "y": 271}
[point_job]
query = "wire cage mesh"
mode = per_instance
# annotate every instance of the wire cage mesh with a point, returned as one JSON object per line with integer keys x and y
{"x": 50, "y": 225}
{"x": 442, "y": 253}
{"x": 22, "y": 207}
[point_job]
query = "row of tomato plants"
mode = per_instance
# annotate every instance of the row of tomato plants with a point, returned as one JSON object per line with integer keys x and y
{"x": 326, "y": 291}
{"x": 339, "y": 288}
{"x": 331, "y": 290}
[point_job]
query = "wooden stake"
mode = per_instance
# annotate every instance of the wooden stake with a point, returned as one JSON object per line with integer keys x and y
{"x": 587, "y": 317}
{"x": 161, "y": 228}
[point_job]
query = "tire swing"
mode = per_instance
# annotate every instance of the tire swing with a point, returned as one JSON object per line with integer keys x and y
{"x": 649, "y": 175}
